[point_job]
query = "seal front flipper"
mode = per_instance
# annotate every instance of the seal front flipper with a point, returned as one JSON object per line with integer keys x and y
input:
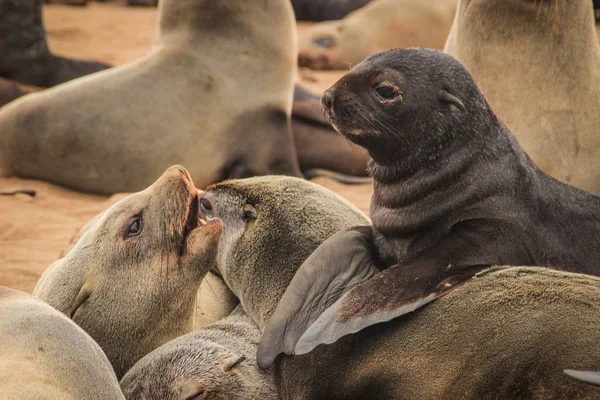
{"x": 591, "y": 377}
{"x": 337, "y": 266}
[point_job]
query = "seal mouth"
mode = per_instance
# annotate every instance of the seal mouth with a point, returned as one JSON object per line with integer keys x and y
{"x": 194, "y": 221}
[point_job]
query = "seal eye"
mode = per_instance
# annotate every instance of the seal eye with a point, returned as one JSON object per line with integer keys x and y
{"x": 134, "y": 227}
{"x": 197, "y": 396}
{"x": 387, "y": 92}
{"x": 205, "y": 206}
{"x": 248, "y": 213}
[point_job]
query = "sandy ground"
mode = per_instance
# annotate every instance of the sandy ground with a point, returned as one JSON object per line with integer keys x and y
{"x": 35, "y": 231}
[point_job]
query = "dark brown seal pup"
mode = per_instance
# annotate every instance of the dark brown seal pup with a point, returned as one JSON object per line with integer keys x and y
{"x": 131, "y": 278}
{"x": 454, "y": 194}
{"x": 24, "y": 53}
{"x": 506, "y": 334}
{"x": 218, "y": 362}
{"x": 46, "y": 356}
{"x": 324, "y": 10}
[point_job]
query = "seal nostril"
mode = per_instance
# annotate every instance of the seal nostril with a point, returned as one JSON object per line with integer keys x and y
{"x": 184, "y": 172}
{"x": 327, "y": 100}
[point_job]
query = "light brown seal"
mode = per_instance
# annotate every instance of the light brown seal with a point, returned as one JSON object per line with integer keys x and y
{"x": 218, "y": 362}
{"x": 44, "y": 355}
{"x": 541, "y": 75}
{"x": 378, "y": 26}
{"x": 132, "y": 276}
{"x": 213, "y": 96}
{"x": 507, "y": 333}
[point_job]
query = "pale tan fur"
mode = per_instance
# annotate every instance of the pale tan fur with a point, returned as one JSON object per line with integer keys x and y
{"x": 378, "y": 26}
{"x": 215, "y": 94}
{"x": 538, "y": 64}
{"x": 45, "y": 356}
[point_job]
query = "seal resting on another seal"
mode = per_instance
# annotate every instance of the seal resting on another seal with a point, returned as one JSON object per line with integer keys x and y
{"x": 46, "y": 356}
{"x": 324, "y": 10}
{"x": 506, "y": 334}
{"x": 216, "y": 362}
{"x": 454, "y": 193}
{"x": 24, "y": 53}
{"x": 131, "y": 278}
{"x": 380, "y": 25}
{"x": 548, "y": 56}
{"x": 221, "y": 113}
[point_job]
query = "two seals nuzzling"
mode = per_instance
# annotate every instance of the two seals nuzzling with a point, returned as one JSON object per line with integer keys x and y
{"x": 132, "y": 276}
{"x": 215, "y": 97}
{"x": 24, "y": 53}
{"x": 47, "y": 356}
{"x": 216, "y": 362}
{"x": 380, "y": 25}
{"x": 539, "y": 48}
{"x": 454, "y": 193}
{"x": 505, "y": 334}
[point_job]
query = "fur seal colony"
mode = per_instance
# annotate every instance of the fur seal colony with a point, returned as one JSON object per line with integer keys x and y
{"x": 216, "y": 362}
{"x": 454, "y": 193}
{"x": 44, "y": 355}
{"x": 539, "y": 49}
{"x": 131, "y": 278}
{"x": 324, "y": 10}
{"x": 24, "y": 53}
{"x": 127, "y": 135}
{"x": 539, "y": 321}
{"x": 380, "y": 25}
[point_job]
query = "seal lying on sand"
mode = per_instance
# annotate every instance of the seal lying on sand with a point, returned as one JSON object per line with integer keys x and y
{"x": 131, "y": 278}
{"x": 46, "y": 356}
{"x": 24, "y": 53}
{"x": 380, "y": 25}
{"x": 324, "y": 10}
{"x": 215, "y": 97}
{"x": 217, "y": 362}
{"x": 539, "y": 49}
{"x": 505, "y": 334}
{"x": 454, "y": 193}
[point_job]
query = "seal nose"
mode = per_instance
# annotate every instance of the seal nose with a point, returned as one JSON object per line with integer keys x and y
{"x": 183, "y": 171}
{"x": 327, "y": 100}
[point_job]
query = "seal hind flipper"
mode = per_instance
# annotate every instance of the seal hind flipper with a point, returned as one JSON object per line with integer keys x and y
{"x": 591, "y": 377}
{"x": 342, "y": 262}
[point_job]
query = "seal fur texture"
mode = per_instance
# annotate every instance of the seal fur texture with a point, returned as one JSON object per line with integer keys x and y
{"x": 216, "y": 362}
{"x": 380, "y": 25}
{"x": 47, "y": 356}
{"x": 539, "y": 321}
{"x": 132, "y": 277}
{"x": 548, "y": 56}
{"x": 215, "y": 97}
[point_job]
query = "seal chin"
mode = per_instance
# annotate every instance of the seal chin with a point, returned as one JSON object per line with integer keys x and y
{"x": 203, "y": 241}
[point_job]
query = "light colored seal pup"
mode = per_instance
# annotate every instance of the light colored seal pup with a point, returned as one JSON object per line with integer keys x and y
{"x": 538, "y": 64}
{"x": 132, "y": 277}
{"x": 378, "y": 26}
{"x": 44, "y": 355}
{"x": 218, "y": 362}
{"x": 215, "y": 94}
{"x": 507, "y": 333}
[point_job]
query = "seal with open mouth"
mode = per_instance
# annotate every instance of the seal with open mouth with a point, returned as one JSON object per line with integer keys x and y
{"x": 131, "y": 278}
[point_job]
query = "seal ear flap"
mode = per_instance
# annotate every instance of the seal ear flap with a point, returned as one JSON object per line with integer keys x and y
{"x": 337, "y": 266}
{"x": 591, "y": 377}
{"x": 446, "y": 97}
{"x": 232, "y": 362}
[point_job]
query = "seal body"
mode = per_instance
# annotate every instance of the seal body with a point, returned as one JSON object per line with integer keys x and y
{"x": 47, "y": 356}
{"x": 447, "y": 350}
{"x": 540, "y": 49}
{"x": 380, "y": 25}
{"x": 216, "y": 362}
{"x": 132, "y": 277}
{"x": 11, "y": 90}
{"x": 25, "y": 58}
{"x": 222, "y": 113}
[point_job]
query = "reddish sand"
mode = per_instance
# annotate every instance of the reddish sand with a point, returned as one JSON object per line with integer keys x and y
{"x": 34, "y": 231}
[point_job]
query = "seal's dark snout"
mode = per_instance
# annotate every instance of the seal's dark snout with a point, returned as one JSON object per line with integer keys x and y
{"x": 327, "y": 101}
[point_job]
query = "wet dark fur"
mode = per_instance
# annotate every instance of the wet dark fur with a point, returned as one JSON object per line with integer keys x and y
{"x": 454, "y": 191}
{"x": 323, "y": 10}
{"x": 24, "y": 53}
